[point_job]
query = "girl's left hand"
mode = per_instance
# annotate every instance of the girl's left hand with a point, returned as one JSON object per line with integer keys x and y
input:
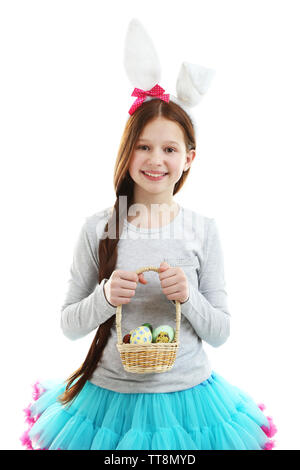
{"x": 173, "y": 282}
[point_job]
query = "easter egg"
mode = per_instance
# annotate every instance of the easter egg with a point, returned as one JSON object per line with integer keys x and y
{"x": 126, "y": 339}
{"x": 165, "y": 329}
{"x": 149, "y": 326}
{"x": 141, "y": 335}
{"x": 163, "y": 338}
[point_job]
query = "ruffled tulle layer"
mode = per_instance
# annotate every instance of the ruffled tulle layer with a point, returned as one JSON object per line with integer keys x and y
{"x": 213, "y": 415}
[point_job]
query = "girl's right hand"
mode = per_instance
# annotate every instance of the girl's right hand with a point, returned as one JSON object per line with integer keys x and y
{"x": 121, "y": 286}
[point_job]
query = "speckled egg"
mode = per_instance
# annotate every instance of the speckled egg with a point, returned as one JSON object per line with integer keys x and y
{"x": 149, "y": 326}
{"x": 141, "y": 335}
{"x": 163, "y": 338}
{"x": 166, "y": 329}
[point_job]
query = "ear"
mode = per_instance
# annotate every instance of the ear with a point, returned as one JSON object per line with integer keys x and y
{"x": 189, "y": 159}
{"x": 193, "y": 82}
{"x": 140, "y": 57}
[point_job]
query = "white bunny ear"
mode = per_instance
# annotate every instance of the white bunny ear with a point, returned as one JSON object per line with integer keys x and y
{"x": 140, "y": 58}
{"x": 192, "y": 83}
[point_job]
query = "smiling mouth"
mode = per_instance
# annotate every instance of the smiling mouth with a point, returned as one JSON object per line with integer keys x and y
{"x": 154, "y": 178}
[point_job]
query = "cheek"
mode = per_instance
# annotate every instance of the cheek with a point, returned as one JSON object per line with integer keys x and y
{"x": 134, "y": 164}
{"x": 175, "y": 167}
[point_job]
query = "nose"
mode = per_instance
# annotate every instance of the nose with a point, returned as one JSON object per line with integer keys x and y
{"x": 156, "y": 157}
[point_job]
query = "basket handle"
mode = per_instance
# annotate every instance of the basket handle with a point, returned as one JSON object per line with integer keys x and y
{"x": 119, "y": 310}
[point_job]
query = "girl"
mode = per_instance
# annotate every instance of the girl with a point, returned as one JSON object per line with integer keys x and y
{"x": 190, "y": 406}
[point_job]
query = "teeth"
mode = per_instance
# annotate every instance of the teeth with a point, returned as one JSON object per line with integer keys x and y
{"x": 155, "y": 176}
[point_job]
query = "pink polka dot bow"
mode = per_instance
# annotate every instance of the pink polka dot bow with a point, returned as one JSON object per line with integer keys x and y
{"x": 156, "y": 91}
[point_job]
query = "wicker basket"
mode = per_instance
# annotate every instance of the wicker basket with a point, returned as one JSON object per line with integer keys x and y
{"x": 151, "y": 357}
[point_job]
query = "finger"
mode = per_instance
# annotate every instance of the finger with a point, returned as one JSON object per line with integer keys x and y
{"x": 166, "y": 273}
{"x": 127, "y": 284}
{"x": 169, "y": 281}
{"x": 128, "y": 276}
{"x": 142, "y": 278}
{"x": 163, "y": 266}
{"x": 125, "y": 293}
{"x": 172, "y": 291}
{"x": 120, "y": 301}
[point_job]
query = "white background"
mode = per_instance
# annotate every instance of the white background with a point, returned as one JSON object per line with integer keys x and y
{"x": 64, "y": 102}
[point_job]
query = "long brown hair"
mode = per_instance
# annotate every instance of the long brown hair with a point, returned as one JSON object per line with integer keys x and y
{"x": 108, "y": 247}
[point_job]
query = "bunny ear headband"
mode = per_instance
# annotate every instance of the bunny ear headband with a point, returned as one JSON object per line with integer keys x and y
{"x": 144, "y": 72}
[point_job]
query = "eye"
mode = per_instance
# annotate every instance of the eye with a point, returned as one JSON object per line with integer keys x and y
{"x": 169, "y": 148}
{"x": 141, "y": 146}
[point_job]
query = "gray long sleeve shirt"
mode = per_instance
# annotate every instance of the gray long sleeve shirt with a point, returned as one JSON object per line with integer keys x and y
{"x": 191, "y": 241}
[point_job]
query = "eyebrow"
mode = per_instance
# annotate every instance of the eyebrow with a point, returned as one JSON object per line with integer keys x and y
{"x": 166, "y": 142}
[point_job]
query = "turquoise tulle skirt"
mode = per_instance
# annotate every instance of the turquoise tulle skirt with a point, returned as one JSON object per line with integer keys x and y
{"x": 213, "y": 415}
